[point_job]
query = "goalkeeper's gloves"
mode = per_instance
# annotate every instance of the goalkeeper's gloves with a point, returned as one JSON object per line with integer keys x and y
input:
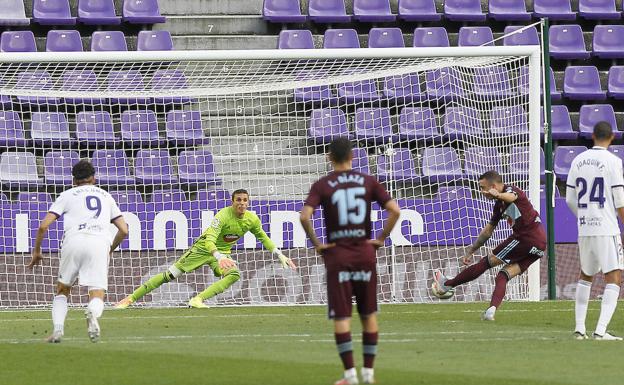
{"x": 286, "y": 262}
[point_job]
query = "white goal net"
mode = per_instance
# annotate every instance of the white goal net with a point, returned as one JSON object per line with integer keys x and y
{"x": 173, "y": 134}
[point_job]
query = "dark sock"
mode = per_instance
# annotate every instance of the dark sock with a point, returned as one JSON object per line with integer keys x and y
{"x": 499, "y": 289}
{"x": 470, "y": 273}
{"x": 345, "y": 349}
{"x": 369, "y": 342}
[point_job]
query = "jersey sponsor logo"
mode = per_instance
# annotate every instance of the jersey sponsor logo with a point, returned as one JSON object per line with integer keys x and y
{"x": 356, "y": 276}
{"x": 534, "y": 250}
{"x": 341, "y": 234}
{"x": 230, "y": 237}
{"x": 590, "y": 221}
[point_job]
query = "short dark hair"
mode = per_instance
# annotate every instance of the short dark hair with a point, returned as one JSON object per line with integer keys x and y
{"x": 602, "y": 131}
{"x": 83, "y": 170}
{"x": 340, "y": 149}
{"x": 239, "y": 191}
{"x": 491, "y": 176}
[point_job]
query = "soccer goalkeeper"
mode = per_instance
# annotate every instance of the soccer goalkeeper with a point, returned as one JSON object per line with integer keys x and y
{"x": 214, "y": 248}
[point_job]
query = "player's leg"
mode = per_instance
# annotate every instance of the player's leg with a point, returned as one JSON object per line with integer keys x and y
{"x": 68, "y": 271}
{"x": 59, "y": 312}
{"x": 500, "y": 288}
{"x": 589, "y": 267}
{"x": 94, "y": 311}
{"x": 228, "y": 278}
{"x": 93, "y": 274}
{"x": 472, "y": 272}
{"x": 365, "y": 292}
{"x": 612, "y": 263}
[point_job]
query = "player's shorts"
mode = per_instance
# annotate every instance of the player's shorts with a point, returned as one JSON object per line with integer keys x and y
{"x": 520, "y": 251}
{"x": 600, "y": 253}
{"x": 85, "y": 256}
{"x": 195, "y": 258}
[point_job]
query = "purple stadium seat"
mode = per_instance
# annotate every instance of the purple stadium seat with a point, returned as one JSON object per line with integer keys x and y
{"x": 3, "y": 198}
{"x": 80, "y": 81}
{"x": 404, "y": 88}
{"x": 443, "y": 83}
{"x": 38, "y": 80}
{"x": 34, "y": 197}
{"x": 553, "y": 9}
{"x": 616, "y": 82}
{"x": 372, "y": 11}
{"x": 52, "y": 12}
{"x": 563, "y": 159}
{"x": 451, "y": 193}
{"x": 523, "y": 37}
{"x": 360, "y": 160}
{"x": 492, "y": 83}
{"x": 184, "y": 128}
{"x": 617, "y": 150}
{"x": 475, "y": 36}
{"x": 196, "y": 167}
{"x": 462, "y": 123}
{"x": 508, "y": 10}
{"x": 418, "y": 123}
{"x": 213, "y": 196}
{"x": 11, "y": 130}
{"x": 18, "y": 169}
{"x": 142, "y": 12}
{"x": 385, "y": 38}
{"x": 154, "y": 41}
{"x": 126, "y": 81}
{"x": 153, "y": 167}
{"x": 399, "y": 167}
{"x": 341, "y": 38}
{"x": 583, "y": 83}
{"x": 172, "y": 80}
{"x": 418, "y": 10}
{"x": 17, "y": 41}
{"x": 478, "y": 160}
{"x": 57, "y": 167}
{"x": 328, "y": 11}
{"x": 519, "y": 161}
{"x": 561, "y": 125}
{"x": 108, "y": 41}
{"x": 463, "y": 10}
{"x": 315, "y": 94}
{"x": 523, "y": 83}
{"x": 441, "y": 164}
{"x": 430, "y": 37}
{"x": 13, "y": 13}
{"x": 598, "y": 10}
{"x": 566, "y": 42}
{"x": 373, "y": 125}
{"x": 97, "y": 12}
{"x": 50, "y": 129}
{"x": 139, "y": 128}
{"x": 295, "y": 39}
{"x": 168, "y": 196}
{"x": 508, "y": 121}
{"x": 111, "y": 167}
{"x": 607, "y": 43}
{"x": 358, "y": 91}
{"x": 125, "y": 196}
{"x": 283, "y": 11}
{"x": 327, "y": 124}
{"x": 63, "y": 41}
{"x": 95, "y": 129}
{"x": 589, "y": 115}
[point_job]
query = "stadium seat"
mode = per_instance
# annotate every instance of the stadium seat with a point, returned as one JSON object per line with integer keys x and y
{"x": 139, "y": 128}
{"x": 553, "y": 9}
{"x": 172, "y": 80}
{"x": 283, "y": 11}
{"x": 385, "y": 38}
{"x": 50, "y": 129}
{"x": 82, "y": 81}
{"x": 57, "y": 167}
{"x": 111, "y": 167}
{"x": 462, "y": 123}
{"x": 508, "y": 10}
{"x": 126, "y": 196}
{"x": 13, "y": 13}
{"x": 63, "y": 41}
{"x": 607, "y": 41}
{"x": 52, "y": 12}
{"x": 443, "y": 83}
{"x": 451, "y": 193}
{"x": 213, "y": 196}
{"x": 142, "y": 12}
{"x": 126, "y": 81}
{"x": 418, "y": 10}
{"x": 327, "y": 124}
{"x": 196, "y": 168}
{"x": 17, "y": 41}
{"x": 322, "y": 94}
{"x": 526, "y": 36}
{"x": 154, "y": 41}
{"x": 508, "y": 121}
{"x": 360, "y": 160}
{"x": 108, "y": 41}
{"x": 358, "y": 91}
{"x": 589, "y": 115}
{"x": 617, "y": 150}
{"x": 616, "y": 82}
{"x": 523, "y": 84}
{"x": 184, "y": 128}
{"x": 441, "y": 164}
{"x": 563, "y": 158}
{"x": 598, "y": 10}
{"x": 37, "y": 80}
{"x": 492, "y": 82}
{"x": 168, "y": 196}
{"x": 475, "y": 36}
{"x": 463, "y": 10}
{"x": 399, "y": 167}
{"x": 403, "y": 88}
{"x": 418, "y": 123}
{"x": 561, "y": 125}
{"x": 566, "y": 42}
{"x": 34, "y": 197}
{"x": 519, "y": 161}
{"x": 478, "y": 160}
{"x": 11, "y": 130}
{"x": 3, "y": 198}
{"x": 153, "y": 167}
{"x": 583, "y": 83}
{"x": 431, "y": 37}
{"x": 95, "y": 129}
{"x": 18, "y": 169}
{"x": 97, "y": 12}
{"x": 341, "y": 38}
{"x": 295, "y": 39}
{"x": 372, "y": 11}
{"x": 328, "y": 11}
{"x": 373, "y": 125}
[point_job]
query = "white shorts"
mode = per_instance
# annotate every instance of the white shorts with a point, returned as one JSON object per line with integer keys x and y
{"x": 600, "y": 253}
{"x": 85, "y": 256}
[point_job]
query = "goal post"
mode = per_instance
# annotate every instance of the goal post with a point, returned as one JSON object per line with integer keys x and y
{"x": 173, "y": 133}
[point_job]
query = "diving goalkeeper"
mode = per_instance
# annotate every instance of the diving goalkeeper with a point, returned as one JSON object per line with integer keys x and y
{"x": 214, "y": 248}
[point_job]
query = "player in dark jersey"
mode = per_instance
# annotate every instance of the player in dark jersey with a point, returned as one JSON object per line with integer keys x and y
{"x": 350, "y": 258}
{"x": 523, "y": 247}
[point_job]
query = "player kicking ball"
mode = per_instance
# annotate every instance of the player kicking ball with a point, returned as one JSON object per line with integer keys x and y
{"x": 214, "y": 248}
{"x": 523, "y": 247}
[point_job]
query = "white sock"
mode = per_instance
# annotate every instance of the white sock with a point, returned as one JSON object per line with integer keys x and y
{"x": 59, "y": 312}
{"x": 607, "y": 308}
{"x": 350, "y": 373}
{"x": 583, "y": 289}
{"x": 96, "y": 305}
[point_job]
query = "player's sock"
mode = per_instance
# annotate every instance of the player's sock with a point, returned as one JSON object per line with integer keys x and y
{"x": 583, "y": 288}
{"x": 96, "y": 305}
{"x": 345, "y": 349}
{"x": 150, "y": 285}
{"x": 221, "y": 285}
{"x": 500, "y": 288}
{"x": 607, "y": 307}
{"x": 369, "y": 342}
{"x": 59, "y": 312}
{"x": 468, "y": 274}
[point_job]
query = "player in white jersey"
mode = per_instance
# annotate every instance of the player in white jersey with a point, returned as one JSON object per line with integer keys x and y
{"x": 595, "y": 193}
{"x": 87, "y": 212}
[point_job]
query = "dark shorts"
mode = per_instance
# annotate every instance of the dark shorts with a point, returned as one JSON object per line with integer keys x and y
{"x": 521, "y": 251}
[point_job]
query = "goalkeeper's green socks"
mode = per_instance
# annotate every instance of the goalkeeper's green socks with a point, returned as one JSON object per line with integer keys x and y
{"x": 150, "y": 285}
{"x": 220, "y": 286}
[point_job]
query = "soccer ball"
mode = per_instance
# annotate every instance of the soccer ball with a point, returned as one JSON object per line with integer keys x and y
{"x": 442, "y": 295}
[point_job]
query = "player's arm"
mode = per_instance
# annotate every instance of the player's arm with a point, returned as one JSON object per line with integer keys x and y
{"x": 394, "y": 212}
{"x": 484, "y": 235}
{"x": 212, "y": 233}
{"x": 305, "y": 217}
{"x": 505, "y": 196}
{"x": 571, "y": 197}
{"x": 268, "y": 244}
{"x": 122, "y": 232}
{"x": 41, "y": 232}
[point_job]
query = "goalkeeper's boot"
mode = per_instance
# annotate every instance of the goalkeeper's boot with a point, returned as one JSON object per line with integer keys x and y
{"x": 197, "y": 303}
{"x": 579, "y": 336}
{"x": 488, "y": 315}
{"x": 124, "y": 303}
{"x": 55, "y": 337}
{"x": 350, "y": 378}
{"x": 93, "y": 327}
{"x": 438, "y": 287}
{"x": 606, "y": 337}
{"x": 368, "y": 375}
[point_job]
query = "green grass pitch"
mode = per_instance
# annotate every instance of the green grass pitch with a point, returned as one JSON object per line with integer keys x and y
{"x": 529, "y": 344}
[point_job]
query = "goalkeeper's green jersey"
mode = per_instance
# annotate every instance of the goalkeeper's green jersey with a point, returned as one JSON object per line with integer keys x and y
{"x": 226, "y": 229}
